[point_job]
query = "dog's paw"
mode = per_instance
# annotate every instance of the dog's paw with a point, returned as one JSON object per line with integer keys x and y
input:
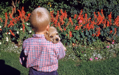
{"x": 64, "y": 48}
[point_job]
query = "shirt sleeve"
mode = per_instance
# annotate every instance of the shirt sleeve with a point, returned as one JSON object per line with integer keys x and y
{"x": 24, "y": 53}
{"x": 61, "y": 53}
{"x": 26, "y": 47}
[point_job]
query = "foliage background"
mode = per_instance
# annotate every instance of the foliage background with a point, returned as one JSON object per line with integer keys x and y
{"x": 72, "y": 8}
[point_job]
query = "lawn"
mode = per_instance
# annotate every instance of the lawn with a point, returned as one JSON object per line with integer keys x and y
{"x": 66, "y": 67}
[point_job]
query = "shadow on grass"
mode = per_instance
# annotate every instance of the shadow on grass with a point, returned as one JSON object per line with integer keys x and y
{"x": 7, "y": 70}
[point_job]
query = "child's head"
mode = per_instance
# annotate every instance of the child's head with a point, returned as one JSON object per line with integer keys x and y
{"x": 40, "y": 19}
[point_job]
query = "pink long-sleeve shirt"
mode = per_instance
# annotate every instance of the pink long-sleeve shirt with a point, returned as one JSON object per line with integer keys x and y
{"x": 41, "y": 54}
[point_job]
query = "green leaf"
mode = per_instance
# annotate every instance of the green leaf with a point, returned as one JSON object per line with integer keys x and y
{"x": 90, "y": 32}
{"x": 87, "y": 33}
{"x": 93, "y": 40}
{"x": 82, "y": 34}
{"x": 74, "y": 34}
{"x": 73, "y": 40}
{"x": 102, "y": 32}
{"x": 78, "y": 37}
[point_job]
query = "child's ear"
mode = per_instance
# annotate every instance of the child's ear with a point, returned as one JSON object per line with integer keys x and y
{"x": 47, "y": 27}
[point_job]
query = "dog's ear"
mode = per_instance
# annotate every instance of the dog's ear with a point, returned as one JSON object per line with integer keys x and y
{"x": 47, "y": 33}
{"x": 47, "y": 36}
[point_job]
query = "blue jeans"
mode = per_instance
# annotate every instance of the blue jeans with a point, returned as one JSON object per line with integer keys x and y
{"x": 34, "y": 72}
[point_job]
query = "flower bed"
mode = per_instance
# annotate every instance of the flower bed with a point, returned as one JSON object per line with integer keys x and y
{"x": 78, "y": 30}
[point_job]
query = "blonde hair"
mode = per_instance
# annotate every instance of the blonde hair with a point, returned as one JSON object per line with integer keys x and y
{"x": 40, "y": 19}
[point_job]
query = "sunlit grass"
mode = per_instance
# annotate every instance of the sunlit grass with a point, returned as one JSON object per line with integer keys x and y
{"x": 69, "y": 67}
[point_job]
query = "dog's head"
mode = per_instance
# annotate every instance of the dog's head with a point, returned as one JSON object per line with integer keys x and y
{"x": 52, "y": 34}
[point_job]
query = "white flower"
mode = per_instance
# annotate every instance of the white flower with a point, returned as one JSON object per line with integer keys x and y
{"x": 30, "y": 31}
{"x": 27, "y": 23}
{"x": 0, "y": 26}
{"x": 0, "y": 43}
{"x": 84, "y": 54}
{"x": 6, "y": 38}
{"x": 91, "y": 48}
{"x": 16, "y": 46}
{"x": 99, "y": 56}
{"x": 17, "y": 32}
{"x": 9, "y": 33}
{"x": 21, "y": 29}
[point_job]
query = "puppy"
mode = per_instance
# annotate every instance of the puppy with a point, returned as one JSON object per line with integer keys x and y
{"x": 52, "y": 35}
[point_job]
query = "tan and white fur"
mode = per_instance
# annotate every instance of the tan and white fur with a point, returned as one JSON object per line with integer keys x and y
{"x": 52, "y": 35}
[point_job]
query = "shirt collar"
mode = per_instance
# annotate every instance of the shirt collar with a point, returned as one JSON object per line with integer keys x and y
{"x": 38, "y": 35}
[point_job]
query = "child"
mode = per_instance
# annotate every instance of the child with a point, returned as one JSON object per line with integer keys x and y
{"x": 38, "y": 54}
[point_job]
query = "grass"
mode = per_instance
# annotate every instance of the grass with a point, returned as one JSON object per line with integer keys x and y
{"x": 12, "y": 60}
{"x": 66, "y": 67}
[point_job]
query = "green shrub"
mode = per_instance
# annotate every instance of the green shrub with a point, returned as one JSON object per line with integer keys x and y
{"x": 4, "y": 7}
{"x": 71, "y": 6}
{"x": 90, "y": 6}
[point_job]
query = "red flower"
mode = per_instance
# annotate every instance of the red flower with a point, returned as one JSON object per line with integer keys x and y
{"x": 113, "y": 41}
{"x": 19, "y": 13}
{"x": 98, "y": 32}
{"x": 57, "y": 15}
{"x": 1, "y": 20}
{"x": 64, "y": 29}
{"x": 104, "y": 23}
{"x": 116, "y": 21}
{"x": 109, "y": 17}
{"x": 102, "y": 14}
{"x": 61, "y": 18}
{"x": 12, "y": 33}
{"x": 110, "y": 31}
{"x": 27, "y": 18}
{"x": 59, "y": 26}
{"x": 80, "y": 26}
{"x": 100, "y": 19}
{"x": 92, "y": 25}
{"x": 52, "y": 16}
{"x": 23, "y": 12}
{"x": 115, "y": 31}
{"x": 6, "y": 18}
{"x": 11, "y": 23}
{"x": 88, "y": 27}
{"x": 75, "y": 16}
{"x": 61, "y": 11}
{"x": 65, "y": 14}
{"x": 107, "y": 23}
{"x": 76, "y": 27}
{"x": 10, "y": 16}
{"x": 81, "y": 11}
{"x": 86, "y": 17}
{"x": 70, "y": 20}
{"x": 93, "y": 35}
{"x": 55, "y": 22}
{"x": 95, "y": 16}
{"x": 70, "y": 34}
{"x": 23, "y": 26}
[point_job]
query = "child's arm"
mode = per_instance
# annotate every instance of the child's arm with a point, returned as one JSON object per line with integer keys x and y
{"x": 24, "y": 52}
{"x": 61, "y": 53}
{"x": 22, "y": 59}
